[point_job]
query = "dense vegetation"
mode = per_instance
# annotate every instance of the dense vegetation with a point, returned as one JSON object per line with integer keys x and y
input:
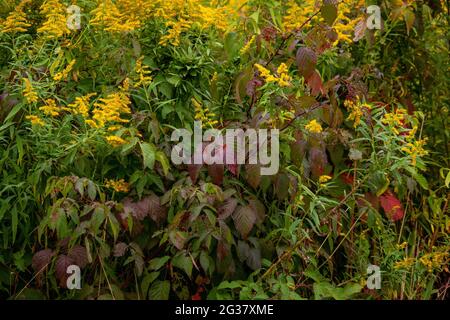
{"x": 86, "y": 117}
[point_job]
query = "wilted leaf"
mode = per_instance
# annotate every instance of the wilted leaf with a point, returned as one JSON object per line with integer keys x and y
{"x": 360, "y": 30}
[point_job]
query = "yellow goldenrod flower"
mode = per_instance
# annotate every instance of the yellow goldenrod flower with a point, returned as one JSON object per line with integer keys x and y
{"x": 173, "y": 36}
{"x": 35, "y": 120}
{"x": 143, "y": 73}
{"x": 324, "y": 179}
{"x": 394, "y": 119}
{"x": 415, "y": 149}
{"x": 282, "y": 79}
{"x": 246, "y": 48}
{"x": 108, "y": 17}
{"x": 28, "y": 92}
{"x": 356, "y": 110}
{"x": 296, "y": 15}
{"x": 114, "y": 128}
{"x": 110, "y": 109}
{"x": 55, "y": 25}
{"x": 405, "y": 263}
{"x": 117, "y": 185}
{"x": 64, "y": 74}
{"x": 50, "y": 108}
{"x": 115, "y": 141}
{"x": 314, "y": 127}
{"x": 16, "y": 20}
{"x": 402, "y": 246}
{"x": 203, "y": 114}
{"x": 81, "y": 105}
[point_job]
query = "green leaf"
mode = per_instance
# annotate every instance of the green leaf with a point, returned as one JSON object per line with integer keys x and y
{"x": 329, "y": 13}
{"x": 183, "y": 262}
{"x": 157, "y": 263}
{"x": 147, "y": 281}
{"x": 162, "y": 159}
{"x": 159, "y": 290}
{"x": 148, "y": 153}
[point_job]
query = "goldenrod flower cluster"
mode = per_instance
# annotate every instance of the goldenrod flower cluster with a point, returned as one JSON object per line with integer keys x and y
{"x": 204, "y": 114}
{"x": 110, "y": 109}
{"x": 108, "y": 17}
{"x": 143, "y": 73}
{"x": 314, "y": 127}
{"x": 324, "y": 179}
{"x": 176, "y": 28}
{"x": 247, "y": 46}
{"x": 16, "y": 20}
{"x": 415, "y": 149}
{"x": 81, "y": 105}
{"x": 115, "y": 141}
{"x": 283, "y": 78}
{"x": 434, "y": 260}
{"x": 28, "y": 92}
{"x": 181, "y": 15}
{"x": 296, "y": 15}
{"x": 117, "y": 185}
{"x": 65, "y": 73}
{"x": 55, "y": 25}
{"x": 405, "y": 263}
{"x": 35, "y": 120}
{"x": 356, "y": 110}
{"x": 394, "y": 119}
{"x": 50, "y": 108}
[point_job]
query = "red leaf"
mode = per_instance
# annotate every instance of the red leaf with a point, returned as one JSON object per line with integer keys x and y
{"x": 194, "y": 171}
{"x": 215, "y": 171}
{"x": 62, "y": 264}
{"x": 392, "y": 206}
{"x": 315, "y": 83}
{"x": 41, "y": 259}
{"x": 306, "y": 61}
{"x": 79, "y": 255}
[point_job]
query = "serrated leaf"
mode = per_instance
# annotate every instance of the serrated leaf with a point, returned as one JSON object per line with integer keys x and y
{"x": 244, "y": 219}
{"x": 306, "y": 60}
{"x": 79, "y": 255}
{"x": 41, "y": 259}
{"x": 148, "y": 154}
{"x": 227, "y": 208}
{"x": 159, "y": 290}
{"x": 62, "y": 263}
